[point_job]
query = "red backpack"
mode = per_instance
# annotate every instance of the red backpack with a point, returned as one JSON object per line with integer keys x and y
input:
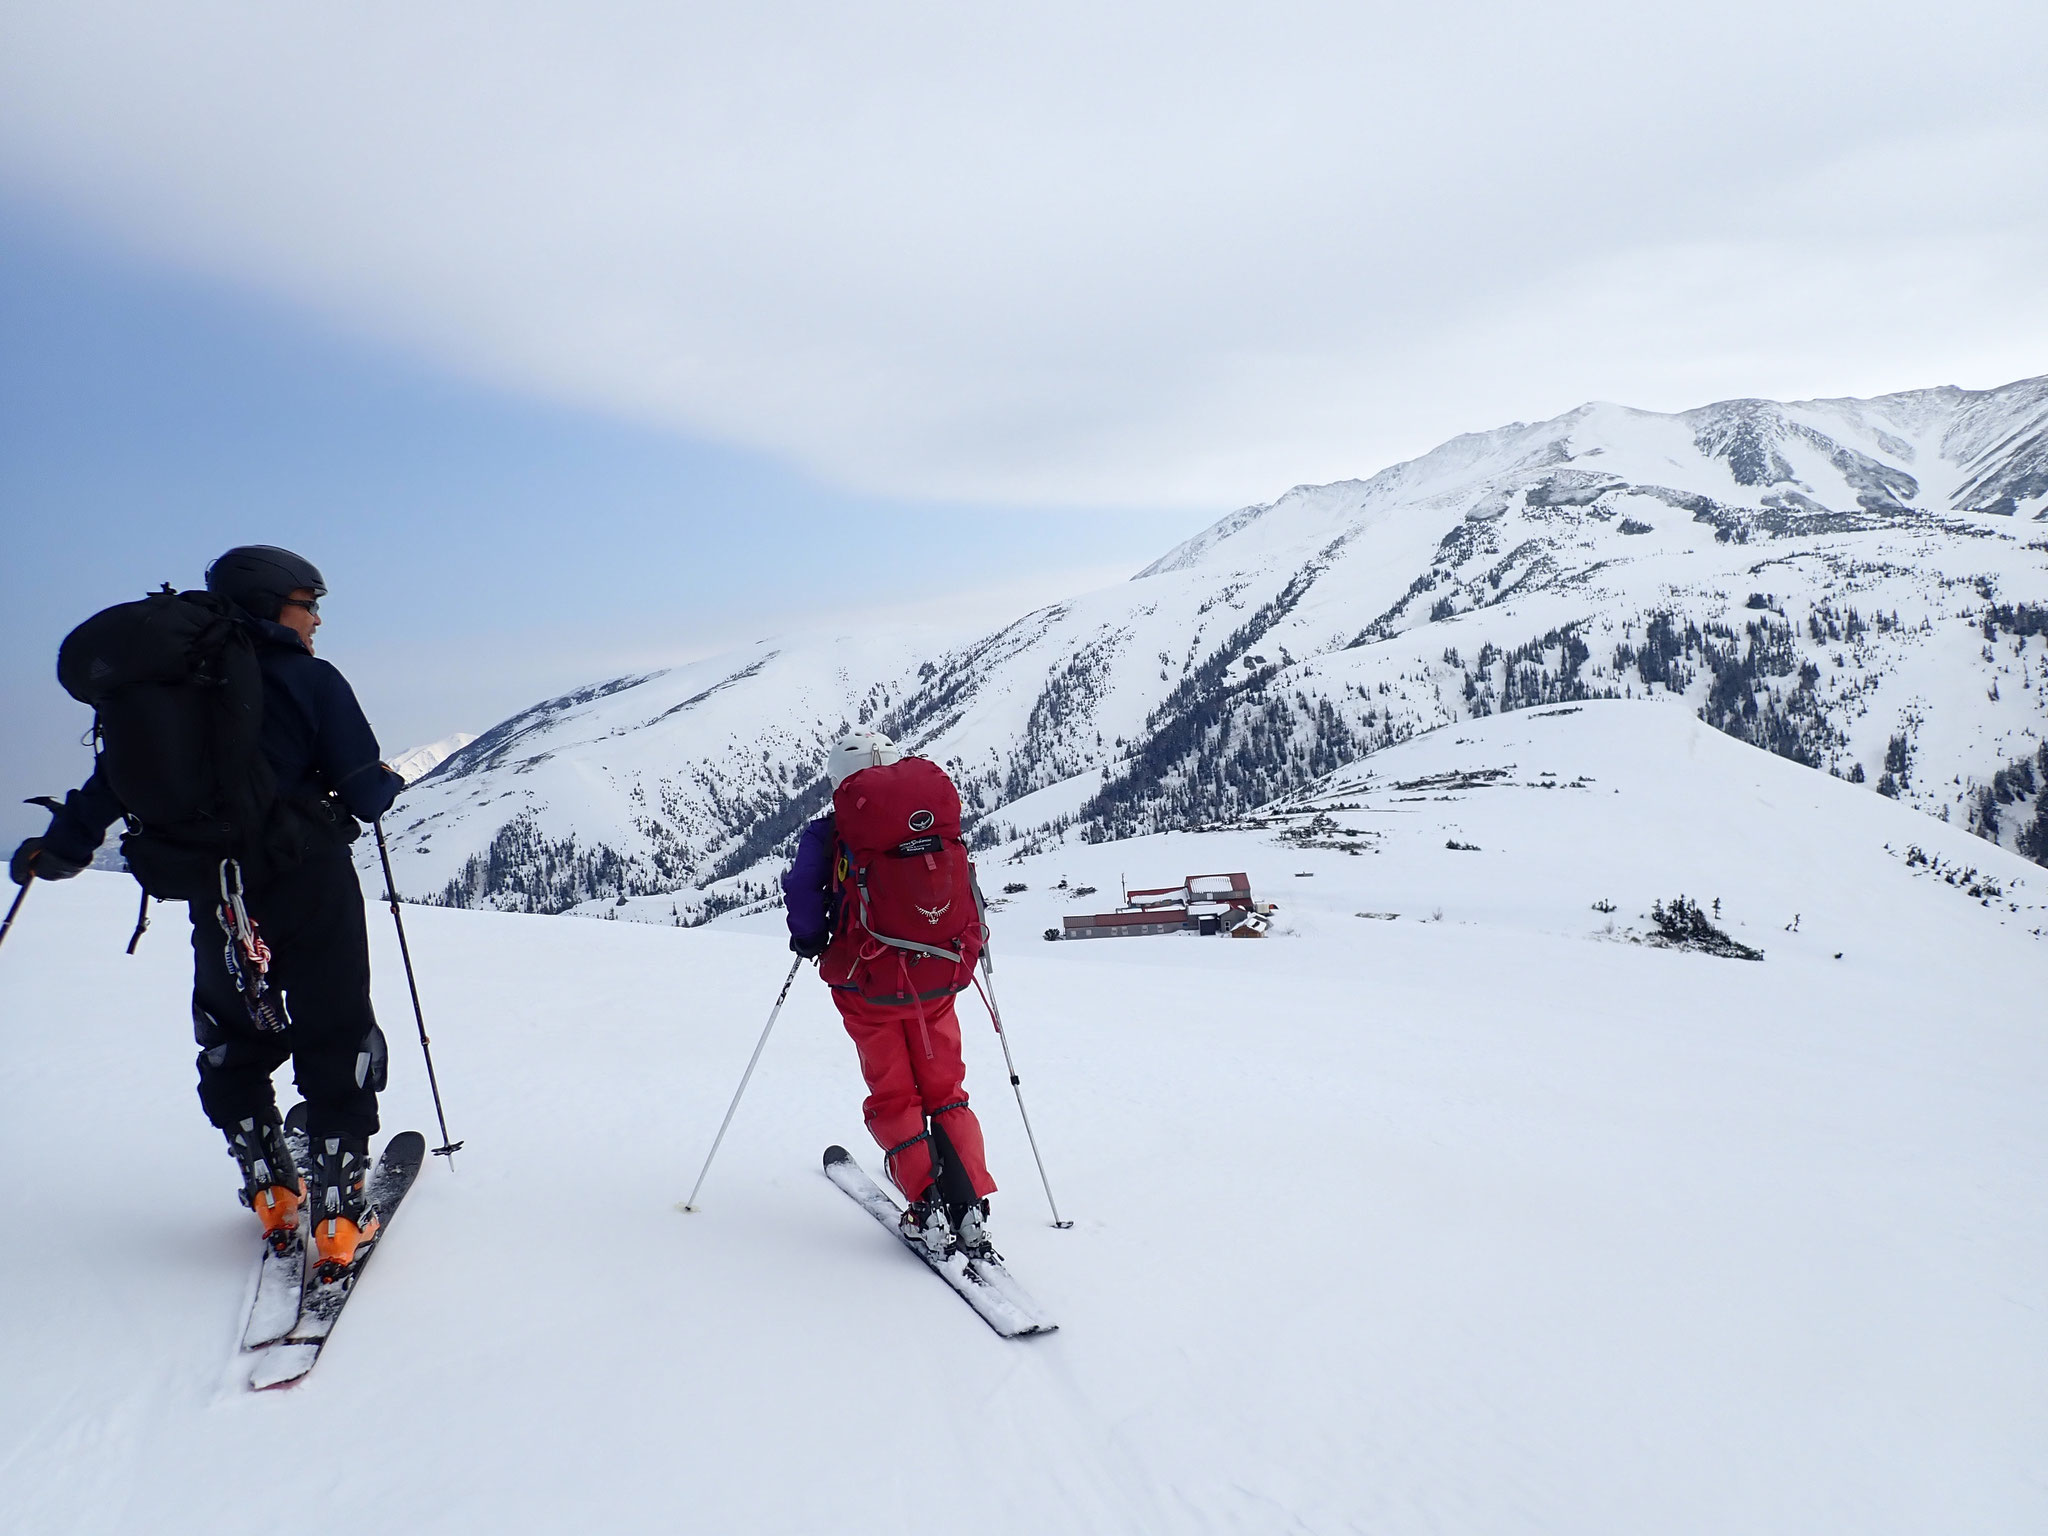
{"x": 910, "y": 922}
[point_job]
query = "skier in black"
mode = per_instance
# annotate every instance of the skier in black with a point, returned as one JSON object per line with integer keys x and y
{"x": 307, "y": 908}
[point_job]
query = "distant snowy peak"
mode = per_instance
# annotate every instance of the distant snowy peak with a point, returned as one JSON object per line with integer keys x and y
{"x": 1861, "y": 586}
{"x": 420, "y": 761}
{"x": 1929, "y": 450}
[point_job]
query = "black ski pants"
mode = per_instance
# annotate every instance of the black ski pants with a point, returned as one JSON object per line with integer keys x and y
{"x": 312, "y": 919}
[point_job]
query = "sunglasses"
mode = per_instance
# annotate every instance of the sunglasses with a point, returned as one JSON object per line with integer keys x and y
{"x": 310, "y": 604}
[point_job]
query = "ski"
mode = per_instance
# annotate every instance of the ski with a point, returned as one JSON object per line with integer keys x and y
{"x": 280, "y": 1276}
{"x": 291, "y": 1357}
{"x": 984, "y": 1284}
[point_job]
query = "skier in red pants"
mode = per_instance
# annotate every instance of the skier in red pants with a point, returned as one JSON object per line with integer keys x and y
{"x": 881, "y": 893}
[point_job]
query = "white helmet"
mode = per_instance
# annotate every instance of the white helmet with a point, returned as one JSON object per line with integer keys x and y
{"x": 863, "y": 749}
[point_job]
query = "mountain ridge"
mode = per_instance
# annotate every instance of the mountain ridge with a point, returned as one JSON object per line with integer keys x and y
{"x": 1854, "y": 584}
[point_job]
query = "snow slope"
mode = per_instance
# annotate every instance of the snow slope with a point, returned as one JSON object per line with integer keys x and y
{"x": 1861, "y": 585}
{"x": 421, "y": 761}
{"x": 1476, "y": 1217}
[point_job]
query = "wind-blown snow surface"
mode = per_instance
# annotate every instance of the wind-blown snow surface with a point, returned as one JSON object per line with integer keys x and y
{"x": 1862, "y": 585}
{"x": 1488, "y": 1222}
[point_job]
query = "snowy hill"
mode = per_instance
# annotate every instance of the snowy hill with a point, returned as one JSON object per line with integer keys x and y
{"x": 1448, "y": 1207}
{"x": 421, "y": 761}
{"x": 1859, "y": 585}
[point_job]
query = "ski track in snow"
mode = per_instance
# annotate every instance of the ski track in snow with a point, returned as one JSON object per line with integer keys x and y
{"x": 1477, "y": 1218}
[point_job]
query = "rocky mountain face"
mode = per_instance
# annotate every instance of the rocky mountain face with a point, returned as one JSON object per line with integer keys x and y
{"x": 1859, "y": 585}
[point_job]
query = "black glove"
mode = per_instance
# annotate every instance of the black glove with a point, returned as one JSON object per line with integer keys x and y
{"x": 809, "y": 948}
{"x": 34, "y": 860}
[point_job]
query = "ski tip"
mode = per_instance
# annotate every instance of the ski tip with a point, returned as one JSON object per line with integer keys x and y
{"x": 296, "y": 1120}
{"x": 837, "y": 1155}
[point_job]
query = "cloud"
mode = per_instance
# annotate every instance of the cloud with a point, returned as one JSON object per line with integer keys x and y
{"x": 1081, "y": 253}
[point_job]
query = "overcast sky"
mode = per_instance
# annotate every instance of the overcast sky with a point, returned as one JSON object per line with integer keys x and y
{"x": 429, "y": 285}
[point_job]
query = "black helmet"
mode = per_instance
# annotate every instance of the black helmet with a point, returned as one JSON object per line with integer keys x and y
{"x": 259, "y": 577}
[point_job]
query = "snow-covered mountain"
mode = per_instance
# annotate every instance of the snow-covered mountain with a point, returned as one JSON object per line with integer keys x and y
{"x": 1860, "y": 585}
{"x": 1458, "y": 1204}
{"x": 421, "y": 761}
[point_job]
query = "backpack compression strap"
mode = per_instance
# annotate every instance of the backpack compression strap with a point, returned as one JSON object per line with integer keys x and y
{"x": 861, "y": 886}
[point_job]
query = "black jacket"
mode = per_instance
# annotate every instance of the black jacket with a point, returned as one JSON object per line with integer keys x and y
{"x": 314, "y": 734}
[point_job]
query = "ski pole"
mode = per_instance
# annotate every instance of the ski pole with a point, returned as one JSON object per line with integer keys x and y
{"x": 752, "y": 1061}
{"x": 1016, "y": 1086}
{"x": 448, "y": 1148}
{"x": 22, "y": 895}
{"x": 19, "y": 898}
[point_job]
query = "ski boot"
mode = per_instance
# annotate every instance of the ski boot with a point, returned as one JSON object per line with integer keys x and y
{"x": 343, "y": 1218}
{"x": 271, "y": 1185}
{"x": 970, "y": 1230}
{"x": 924, "y": 1222}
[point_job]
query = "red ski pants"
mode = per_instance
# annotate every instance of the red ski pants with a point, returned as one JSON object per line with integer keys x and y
{"x": 914, "y": 1070}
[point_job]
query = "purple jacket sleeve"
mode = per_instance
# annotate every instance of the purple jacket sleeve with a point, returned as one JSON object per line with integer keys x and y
{"x": 807, "y": 888}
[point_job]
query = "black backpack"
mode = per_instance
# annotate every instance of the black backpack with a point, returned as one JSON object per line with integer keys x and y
{"x": 178, "y": 701}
